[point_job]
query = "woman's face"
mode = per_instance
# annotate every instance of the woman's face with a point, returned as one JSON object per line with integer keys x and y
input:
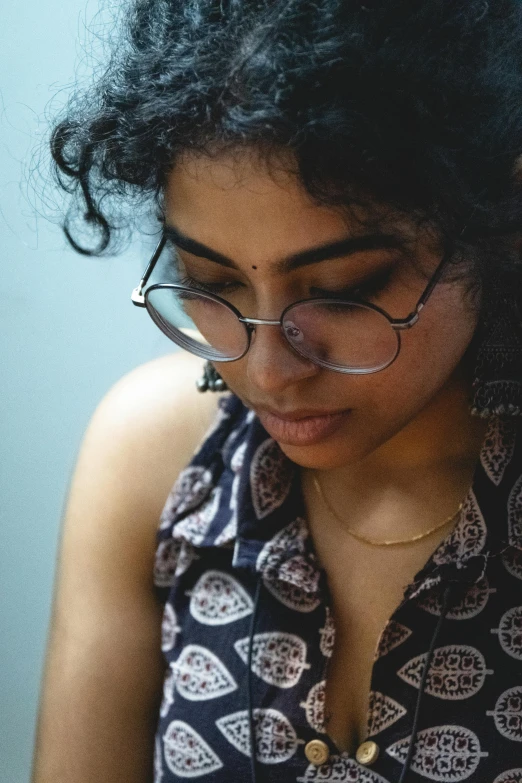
{"x": 256, "y": 220}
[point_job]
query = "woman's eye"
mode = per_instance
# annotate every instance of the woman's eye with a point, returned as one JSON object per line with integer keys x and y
{"x": 208, "y": 286}
{"x": 361, "y": 292}
{"x": 176, "y": 272}
{"x": 371, "y": 288}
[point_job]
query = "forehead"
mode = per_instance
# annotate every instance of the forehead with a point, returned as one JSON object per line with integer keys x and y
{"x": 240, "y": 187}
{"x": 238, "y": 206}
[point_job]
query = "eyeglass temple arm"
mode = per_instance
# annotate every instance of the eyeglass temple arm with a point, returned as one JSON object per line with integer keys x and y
{"x": 413, "y": 317}
{"x": 137, "y": 296}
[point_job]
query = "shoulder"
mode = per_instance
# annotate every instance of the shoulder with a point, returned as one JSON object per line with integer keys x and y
{"x": 161, "y": 395}
{"x": 147, "y": 427}
{"x": 140, "y": 437}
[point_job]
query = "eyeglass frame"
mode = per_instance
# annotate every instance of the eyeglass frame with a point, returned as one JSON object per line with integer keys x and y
{"x": 397, "y": 324}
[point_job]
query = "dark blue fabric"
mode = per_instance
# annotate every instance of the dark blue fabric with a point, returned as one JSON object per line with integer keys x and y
{"x": 236, "y": 516}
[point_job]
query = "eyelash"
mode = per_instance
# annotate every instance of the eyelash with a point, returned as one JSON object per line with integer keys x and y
{"x": 365, "y": 290}
{"x": 210, "y": 288}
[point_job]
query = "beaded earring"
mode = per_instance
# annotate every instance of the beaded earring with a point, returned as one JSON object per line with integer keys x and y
{"x": 211, "y": 380}
{"x": 497, "y": 384}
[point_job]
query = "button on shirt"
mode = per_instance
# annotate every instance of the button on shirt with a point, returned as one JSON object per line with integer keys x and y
{"x": 248, "y": 631}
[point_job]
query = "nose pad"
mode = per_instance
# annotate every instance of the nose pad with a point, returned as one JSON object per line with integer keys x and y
{"x": 272, "y": 364}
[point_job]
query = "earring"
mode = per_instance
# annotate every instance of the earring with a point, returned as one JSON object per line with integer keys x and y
{"x": 497, "y": 385}
{"x": 211, "y": 380}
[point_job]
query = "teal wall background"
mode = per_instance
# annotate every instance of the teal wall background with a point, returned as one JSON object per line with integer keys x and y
{"x": 68, "y": 332}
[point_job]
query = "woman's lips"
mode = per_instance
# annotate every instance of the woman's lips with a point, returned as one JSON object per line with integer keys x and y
{"x": 301, "y": 432}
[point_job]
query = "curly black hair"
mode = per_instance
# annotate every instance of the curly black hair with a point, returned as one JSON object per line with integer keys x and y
{"x": 413, "y": 104}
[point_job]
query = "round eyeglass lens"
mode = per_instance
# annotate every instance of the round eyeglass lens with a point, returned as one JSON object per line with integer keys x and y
{"x": 341, "y": 335}
{"x": 197, "y": 322}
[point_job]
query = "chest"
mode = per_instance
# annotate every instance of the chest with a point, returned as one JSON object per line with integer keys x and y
{"x": 297, "y": 651}
{"x": 366, "y": 587}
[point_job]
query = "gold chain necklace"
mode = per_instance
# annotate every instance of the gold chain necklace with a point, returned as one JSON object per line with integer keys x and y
{"x": 366, "y": 540}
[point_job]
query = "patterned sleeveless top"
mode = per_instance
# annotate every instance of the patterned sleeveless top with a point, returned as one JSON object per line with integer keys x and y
{"x": 247, "y": 629}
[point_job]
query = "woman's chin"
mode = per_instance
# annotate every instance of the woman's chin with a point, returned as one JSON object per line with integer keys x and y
{"x": 319, "y": 456}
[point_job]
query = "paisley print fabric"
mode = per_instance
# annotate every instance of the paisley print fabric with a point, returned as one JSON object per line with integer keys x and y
{"x": 248, "y": 629}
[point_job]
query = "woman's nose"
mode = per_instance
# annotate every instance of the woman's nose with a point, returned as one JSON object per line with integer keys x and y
{"x": 272, "y": 364}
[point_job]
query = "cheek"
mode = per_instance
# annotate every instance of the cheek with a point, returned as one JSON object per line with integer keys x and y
{"x": 234, "y": 375}
{"x": 430, "y": 355}
{"x": 444, "y": 333}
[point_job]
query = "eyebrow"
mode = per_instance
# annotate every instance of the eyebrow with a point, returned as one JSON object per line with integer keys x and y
{"x": 343, "y": 247}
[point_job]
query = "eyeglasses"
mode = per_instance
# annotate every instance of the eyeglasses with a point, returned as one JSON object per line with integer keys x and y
{"x": 347, "y": 336}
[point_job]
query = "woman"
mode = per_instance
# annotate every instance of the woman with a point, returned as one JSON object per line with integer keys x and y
{"x": 338, "y": 567}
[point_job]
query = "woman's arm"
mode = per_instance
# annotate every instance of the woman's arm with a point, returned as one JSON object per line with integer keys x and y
{"x": 104, "y": 670}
